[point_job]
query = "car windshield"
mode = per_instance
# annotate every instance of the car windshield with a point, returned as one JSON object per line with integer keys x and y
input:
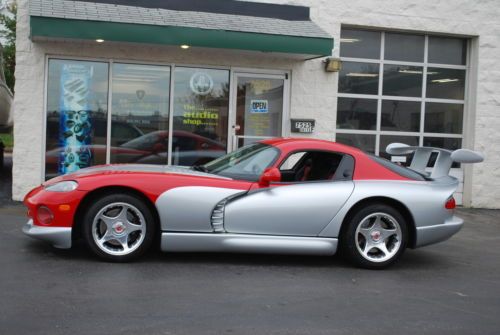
{"x": 246, "y": 163}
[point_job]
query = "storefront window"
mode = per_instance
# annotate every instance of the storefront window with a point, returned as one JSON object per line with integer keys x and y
{"x": 77, "y": 99}
{"x": 140, "y": 102}
{"x": 422, "y": 96}
{"x": 200, "y": 119}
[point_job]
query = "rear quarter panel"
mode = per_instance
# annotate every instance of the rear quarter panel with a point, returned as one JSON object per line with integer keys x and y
{"x": 424, "y": 200}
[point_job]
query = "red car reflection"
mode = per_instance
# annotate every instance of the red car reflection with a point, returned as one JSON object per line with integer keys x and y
{"x": 152, "y": 148}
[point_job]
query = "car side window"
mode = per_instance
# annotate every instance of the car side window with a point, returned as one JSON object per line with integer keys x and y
{"x": 315, "y": 165}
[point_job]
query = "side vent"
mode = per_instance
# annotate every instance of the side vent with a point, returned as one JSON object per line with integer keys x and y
{"x": 217, "y": 219}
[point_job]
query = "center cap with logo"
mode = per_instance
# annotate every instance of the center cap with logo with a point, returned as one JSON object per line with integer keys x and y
{"x": 118, "y": 228}
{"x": 375, "y": 235}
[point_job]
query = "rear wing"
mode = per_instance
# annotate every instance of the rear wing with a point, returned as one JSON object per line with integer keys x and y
{"x": 443, "y": 162}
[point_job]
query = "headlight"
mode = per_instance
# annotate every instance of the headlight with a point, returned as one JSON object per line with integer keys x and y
{"x": 63, "y": 186}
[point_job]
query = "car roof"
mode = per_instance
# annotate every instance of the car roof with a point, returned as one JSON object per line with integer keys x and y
{"x": 291, "y": 143}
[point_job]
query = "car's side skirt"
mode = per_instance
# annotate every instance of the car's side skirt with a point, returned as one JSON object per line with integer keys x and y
{"x": 246, "y": 243}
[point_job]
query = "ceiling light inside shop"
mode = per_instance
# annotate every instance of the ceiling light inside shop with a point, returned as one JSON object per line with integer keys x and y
{"x": 411, "y": 71}
{"x": 360, "y": 74}
{"x": 99, "y": 40}
{"x": 349, "y": 40}
{"x": 446, "y": 80}
{"x": 184, "y": 46}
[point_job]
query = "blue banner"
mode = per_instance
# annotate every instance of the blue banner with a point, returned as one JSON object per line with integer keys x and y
{"x": 75, "y": 124}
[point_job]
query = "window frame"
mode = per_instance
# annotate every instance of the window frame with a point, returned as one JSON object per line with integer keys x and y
{"x": 381, "y": 61}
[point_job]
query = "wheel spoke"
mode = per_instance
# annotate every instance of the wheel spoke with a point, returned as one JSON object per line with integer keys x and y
{"x": 108, "y": 221}
{"x": 122, "y": 216}
{"x": 377, "y": 224}
{"x": 131, "y": 227}
{"x": 383, "y": 248}
{"x": 367, "y": 248}
{"x": 108, "y": 236}
{"x": 365, "y": 232}
{"x": 124, "y": 242}
{"x": 386, "y": 233}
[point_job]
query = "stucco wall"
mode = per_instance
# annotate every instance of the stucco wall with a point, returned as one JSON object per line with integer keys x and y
{"x": 313, "y": 92}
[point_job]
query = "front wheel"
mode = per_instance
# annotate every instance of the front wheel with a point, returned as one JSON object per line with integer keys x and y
{"x": 118, "y": 227}
{"x": 376, "y": 237}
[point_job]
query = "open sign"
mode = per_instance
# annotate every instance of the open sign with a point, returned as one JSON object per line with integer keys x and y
{"x": 259, "y": 106}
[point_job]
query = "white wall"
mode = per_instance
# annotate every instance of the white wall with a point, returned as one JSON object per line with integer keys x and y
{"x": 313, "y": 91}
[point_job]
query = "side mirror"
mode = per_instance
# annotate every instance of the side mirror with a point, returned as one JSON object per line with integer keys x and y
{"x": 270, "y": 175}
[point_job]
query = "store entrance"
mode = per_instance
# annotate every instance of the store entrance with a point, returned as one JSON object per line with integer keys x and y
{"x": 258, "y": 106}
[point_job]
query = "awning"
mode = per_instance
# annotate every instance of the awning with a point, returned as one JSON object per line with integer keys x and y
{"x": 155, "y": 23}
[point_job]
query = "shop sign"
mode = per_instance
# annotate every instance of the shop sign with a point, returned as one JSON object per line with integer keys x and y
{"x": 259, "y": 106}
{"x": 303, "y": 125}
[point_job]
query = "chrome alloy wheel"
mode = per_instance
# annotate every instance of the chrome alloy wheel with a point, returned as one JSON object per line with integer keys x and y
{"x": 119, "y": 229}
{"x": 378, "y": 237}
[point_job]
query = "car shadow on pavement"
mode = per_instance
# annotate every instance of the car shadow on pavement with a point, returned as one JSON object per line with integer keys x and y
{"x": 412, "y": 259}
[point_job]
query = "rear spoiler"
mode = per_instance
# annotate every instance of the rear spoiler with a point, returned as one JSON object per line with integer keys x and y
{"x": 443, "y": 162}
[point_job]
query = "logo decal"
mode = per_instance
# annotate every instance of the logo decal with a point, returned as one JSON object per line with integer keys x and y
{"x": 201, "y": 83}
{"x": 140, "y": 94}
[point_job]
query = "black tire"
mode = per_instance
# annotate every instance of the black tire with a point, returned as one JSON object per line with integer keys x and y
{"x": 143, "y": 243}
{"x": 348, "y": 241}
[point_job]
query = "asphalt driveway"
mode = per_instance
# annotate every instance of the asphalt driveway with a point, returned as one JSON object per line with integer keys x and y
{"x": 450, "y": 288}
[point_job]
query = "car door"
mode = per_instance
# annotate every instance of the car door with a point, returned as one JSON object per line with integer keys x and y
{"x": 301, "y": 208}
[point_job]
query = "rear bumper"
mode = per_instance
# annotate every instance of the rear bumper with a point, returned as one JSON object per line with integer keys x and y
{"x": 437, "y": 233}
{"x": 59, "y": 237}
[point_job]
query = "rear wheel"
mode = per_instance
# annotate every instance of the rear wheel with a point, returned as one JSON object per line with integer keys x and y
{"x": 375, "y": 237}
{"x": 118, "y": 227}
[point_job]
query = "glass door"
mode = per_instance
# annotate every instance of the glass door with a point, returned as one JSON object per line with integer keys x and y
{"x": 258, "y": 107}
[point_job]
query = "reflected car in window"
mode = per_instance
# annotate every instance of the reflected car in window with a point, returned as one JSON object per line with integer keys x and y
{"x": 151, "y": 148}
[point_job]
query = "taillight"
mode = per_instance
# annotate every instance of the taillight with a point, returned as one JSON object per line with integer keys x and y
{"x": 44, "y": 215}
{"x": 450, "y": 203}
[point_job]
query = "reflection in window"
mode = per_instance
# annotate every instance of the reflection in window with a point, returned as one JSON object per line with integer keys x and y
{"x": 445, "y": 83}
{"x": 447, "y": 50}
{"x": 404, "y": 47}
{"x": 400, "y": 115}
{"x": 139, "y": 128}
{"x": 403, "y": 80}
{"x": 77, "y": 93}
{"x": 361, "y": 78}
{"x": 360, "y": 43}
{"x": 443, "y": 118}
{"x": 201, "y": 102}
{"x": 356, "y": 113}
{"x": 361, "y": 141}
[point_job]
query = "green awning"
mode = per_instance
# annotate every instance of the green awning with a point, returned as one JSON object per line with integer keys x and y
{"x": 300, "y": 39}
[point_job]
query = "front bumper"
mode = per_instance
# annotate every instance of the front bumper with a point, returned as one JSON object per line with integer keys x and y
{"x": 437, "y": 233}
{"x": 59, "y": 237}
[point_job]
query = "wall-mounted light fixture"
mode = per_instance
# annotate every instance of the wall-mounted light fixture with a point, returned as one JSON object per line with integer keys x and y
{"x": 333, "y": 64}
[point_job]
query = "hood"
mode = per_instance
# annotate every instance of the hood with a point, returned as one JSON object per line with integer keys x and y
{"x": 134, "y": 168}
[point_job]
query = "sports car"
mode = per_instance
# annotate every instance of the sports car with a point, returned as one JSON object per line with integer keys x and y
{"x": 284, "y": 195}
